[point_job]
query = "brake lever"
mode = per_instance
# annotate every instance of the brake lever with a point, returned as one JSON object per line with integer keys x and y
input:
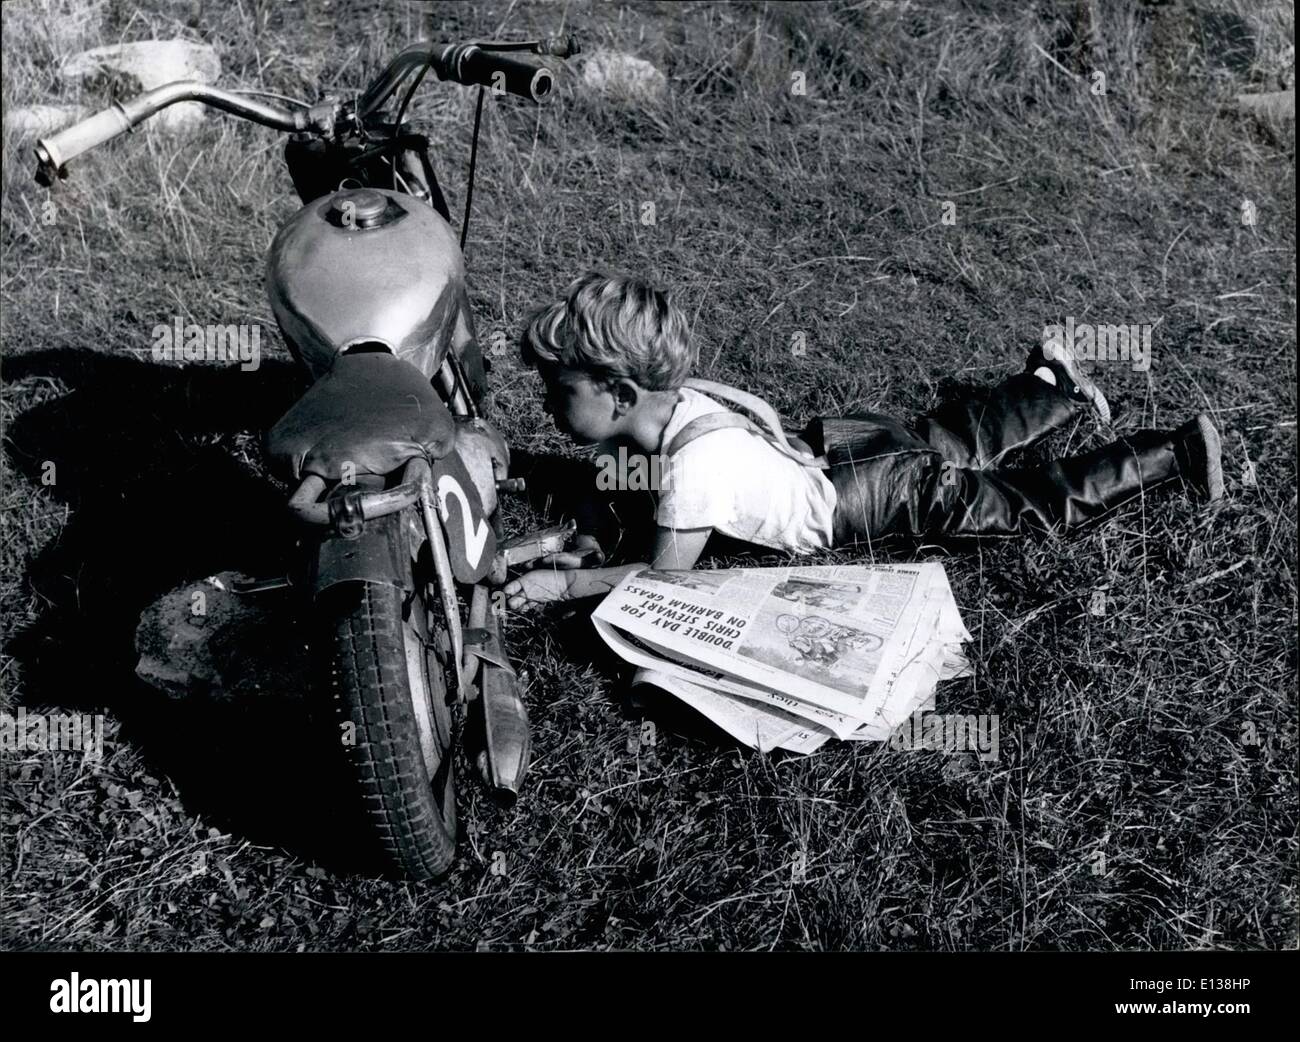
{"x": 328, "y": 118}
{"x": 553, "y": 46}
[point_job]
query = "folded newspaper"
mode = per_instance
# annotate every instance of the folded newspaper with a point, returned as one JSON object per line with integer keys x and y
{"x": 788, "y": 658}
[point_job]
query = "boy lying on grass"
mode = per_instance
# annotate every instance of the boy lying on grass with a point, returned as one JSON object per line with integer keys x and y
{"x": 615, "y": 357}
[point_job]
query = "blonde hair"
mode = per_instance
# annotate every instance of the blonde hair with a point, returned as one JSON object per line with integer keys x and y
{"x": 613, "y": 327}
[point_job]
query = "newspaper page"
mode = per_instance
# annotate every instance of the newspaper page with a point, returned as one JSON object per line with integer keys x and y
{"x": 910, "y": 689}
{"x": 853, "y": 650}
{"x": 756, "y": 725}
{"x": 647, "y": 656}
{"x": 762, "y": 727}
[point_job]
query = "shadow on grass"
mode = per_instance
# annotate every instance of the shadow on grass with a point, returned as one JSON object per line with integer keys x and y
{"x": 148, "y": 459}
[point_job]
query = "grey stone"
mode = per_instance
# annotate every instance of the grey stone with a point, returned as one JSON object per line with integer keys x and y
{"x": 42, "y": 120}
{"x": 146, "y": 64}
{"x": 205, "y": 640}
{"x": 1276, "y": 105}
{"x": 623, "y": 75}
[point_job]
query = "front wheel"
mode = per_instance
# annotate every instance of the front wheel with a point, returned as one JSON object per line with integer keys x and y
{"x": 390, "y": 696}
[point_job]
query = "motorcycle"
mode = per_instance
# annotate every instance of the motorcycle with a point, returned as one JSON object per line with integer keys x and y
{"x": 398, "y": 472}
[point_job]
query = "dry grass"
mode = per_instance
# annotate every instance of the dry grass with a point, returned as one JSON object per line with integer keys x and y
{"x": 207, "y": 826}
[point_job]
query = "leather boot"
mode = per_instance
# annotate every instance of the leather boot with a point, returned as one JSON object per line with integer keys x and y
{"x": 1068, "y": 492}
{"x": 978, "y": 433}
{"x": 889, "y": 482}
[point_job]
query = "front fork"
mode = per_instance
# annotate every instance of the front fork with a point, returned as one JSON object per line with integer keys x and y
{"x": 483, "y": 672}
{"x": 370, "y": 544}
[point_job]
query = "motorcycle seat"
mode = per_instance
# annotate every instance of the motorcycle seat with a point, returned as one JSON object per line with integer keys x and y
{"x": 373, "y": 410}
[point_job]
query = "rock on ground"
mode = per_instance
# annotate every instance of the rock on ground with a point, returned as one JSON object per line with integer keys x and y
{"x": 624, "y": 75}
{"x": 204, "y": 640}
{"x": 42, "y": 120}
{"x": 1276, "y": 105}
{"x": 146, "y": 64}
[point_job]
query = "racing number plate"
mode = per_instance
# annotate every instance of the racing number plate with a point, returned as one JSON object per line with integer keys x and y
{"x": 471, "y": 543}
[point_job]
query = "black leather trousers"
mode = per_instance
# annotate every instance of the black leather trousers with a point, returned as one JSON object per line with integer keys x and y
{"x": 937, "y": 478}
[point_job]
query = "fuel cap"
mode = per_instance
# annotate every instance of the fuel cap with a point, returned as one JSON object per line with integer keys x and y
{"x": 358, "y": 208}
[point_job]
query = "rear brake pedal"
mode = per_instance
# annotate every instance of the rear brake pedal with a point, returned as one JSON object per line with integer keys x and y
{"x": 261, "y": 585}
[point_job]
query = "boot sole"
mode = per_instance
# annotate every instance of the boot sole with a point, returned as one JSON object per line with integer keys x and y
{"x": 1099, "y": 403}
{"x": 1213, "y": 457}
{"x": 1066, "y": 360}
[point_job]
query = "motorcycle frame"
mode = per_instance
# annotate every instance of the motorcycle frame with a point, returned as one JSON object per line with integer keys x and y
{"x": 370, "y": 540}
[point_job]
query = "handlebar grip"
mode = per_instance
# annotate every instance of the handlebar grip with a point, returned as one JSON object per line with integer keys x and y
{"x": 501, "y": 72}
{"x": 54, "y": 152}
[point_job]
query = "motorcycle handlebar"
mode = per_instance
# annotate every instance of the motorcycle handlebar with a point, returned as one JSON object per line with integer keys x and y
{"x": 501, "y": 72}
{"x": 53, "y": 152}
{"x": 461, "y": 63}
{"x": 467, "y": 64}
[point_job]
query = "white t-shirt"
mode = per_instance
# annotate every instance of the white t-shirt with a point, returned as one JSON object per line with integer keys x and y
{"x": 737, "y": 483}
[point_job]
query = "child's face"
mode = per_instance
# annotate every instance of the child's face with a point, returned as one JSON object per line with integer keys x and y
{"x": 581, "y": 407}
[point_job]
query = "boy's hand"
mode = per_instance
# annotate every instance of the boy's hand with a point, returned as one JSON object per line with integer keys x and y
{"x": 540, "y": 586}
{"x": 586, "y": 553}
